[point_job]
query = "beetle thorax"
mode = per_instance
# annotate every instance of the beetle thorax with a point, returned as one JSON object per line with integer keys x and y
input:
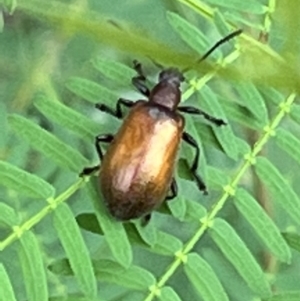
{"x": 167, "y": 93}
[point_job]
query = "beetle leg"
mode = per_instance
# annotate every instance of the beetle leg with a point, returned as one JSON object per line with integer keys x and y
{"x": 192, "y": 142}
{"x": 118, "y": 112}
{"x": 126, "y": 103}
{"x": 174, "y": 190}
{"x": 89, "y": 170}
{"x": 192, "y": 110}
{"x": 146, "y": 219}
{"x": 139, "y": 80}
{"x": 107, "y": 138}
{"x": 101, "y": 138}
{"x": 137, "y": 66}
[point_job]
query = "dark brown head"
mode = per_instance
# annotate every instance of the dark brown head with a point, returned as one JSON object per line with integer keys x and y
{"x": 167, "y": 93}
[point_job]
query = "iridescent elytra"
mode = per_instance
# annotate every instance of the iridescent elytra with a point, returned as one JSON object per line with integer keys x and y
{"x": 137, "y": 170}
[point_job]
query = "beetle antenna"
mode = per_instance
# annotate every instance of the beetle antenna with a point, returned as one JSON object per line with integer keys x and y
{"x": 219, "y": 43}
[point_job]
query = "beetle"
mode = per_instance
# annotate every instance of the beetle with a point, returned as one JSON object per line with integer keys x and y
{"x": 137, "y": 170}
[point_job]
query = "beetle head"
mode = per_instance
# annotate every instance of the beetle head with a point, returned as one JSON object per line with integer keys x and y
{"x": 166, "y": 93}
{"x": 172, "y": 76}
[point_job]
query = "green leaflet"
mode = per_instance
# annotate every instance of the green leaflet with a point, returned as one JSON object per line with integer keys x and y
{"x": 66, "y": 117}
{"x": 23, "y": 182}
{"x": 133, "y": 277}
{"x": 188, "y": 152}
{"x": 272, "y": 95}
{"x": 282, "y": 192}
{"x": 204, "y": 279}
{"x": 147, "y": 232}
{"x": 76, "y": 249}
{"x": 240, "y": 114}
{"x": 90, "y": 90}
{"x": 188, "y": 32}
{"x": 166, "y": 244}
{"x": 8, "y": 215}
{"x": 220, "y": 23}
{"x": 218, "y": 177}
{"x": 240, "y": 19}
{"x": 88, "y": 222}
{"x": 34, "y": 272}
{"x": 194, "y": 211}
{"x": 295, "y": 113}
{"x": 6, "y": 289}
{"x": 205, "y": 133}
{"x": 293, "y": 239}
{"x": 253, "y": 101}
{"x": 168, "y": 294}
{"x": 113, "y": 230}
{"x": 235, "y": 250}
{"x": 119, "y": 73}
{"x": 210, "y": 104}
{"x": 178, "y": 207}
{"x": 262, "y": 225}
{"x": 252, "y": 6}
{"x": 289, "y": 143}
{"x": 285, "y": 296}
{"x": 48, "y": 144}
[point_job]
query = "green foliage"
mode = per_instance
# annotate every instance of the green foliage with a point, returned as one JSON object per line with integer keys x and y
{"x": 31, "y": 261}
{"x": 204, "y": 278}
{"x": 57, "y": 240}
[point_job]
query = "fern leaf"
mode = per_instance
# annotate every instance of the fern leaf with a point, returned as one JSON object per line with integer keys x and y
{"x": 6, "y": 289}
{"x": 75, "y": 249}
{"x": 204, "y": 279}
{"x": 295, "y": 113}
{"x": 237, "y": 18}
{"x": 133, "y": 277}
{"x": 282, "y": 192}
{"x": 24, "y": 182}
{"x": 46, "y": 143}
{"x": 148, "y": 234}
{"x": 166, "y": 244}
{"x": 293, "y": 239}
{"x": 218, "y": 177}
{"x": 119, "y": 73}
{"x": 285, "y": 296}
{"x": 252, "y": 6}
{"x": 8, "y": 215}
{"x": 66, "y": 117}
{"x": 188, "y": 33}
{"x": 241, "y": 114}
{"x": 114, "y": 232}
{"x": 253, "y": 101}
{"x": 90, "y": 90}
{"x": 221, "y": 24}
{"x": 194, "y": 211}
{"x": 168, "y": 294}
{"x": 178, "y": 208}
{"x": 273, "y": 96}
{"x": 262, "y": 224}
{"x": 240, "y": 257}
{"x": 209, "y": 102}
{"x": 289, "y": 143}
{"x": 34, "y": 272}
